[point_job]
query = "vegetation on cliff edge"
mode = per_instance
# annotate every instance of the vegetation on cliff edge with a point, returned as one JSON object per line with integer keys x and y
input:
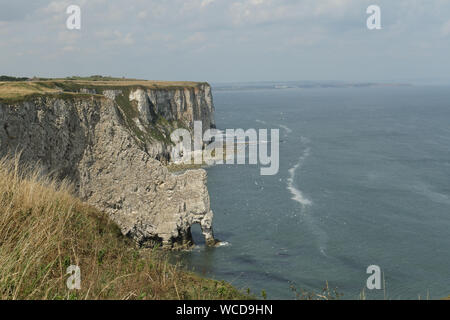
{"x": 16, "y": 89}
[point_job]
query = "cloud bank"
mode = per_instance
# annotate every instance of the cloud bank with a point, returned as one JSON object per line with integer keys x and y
{"x": 228, "y": 40}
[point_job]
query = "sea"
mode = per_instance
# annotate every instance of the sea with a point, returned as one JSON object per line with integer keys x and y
{"x": 363, "y": 180}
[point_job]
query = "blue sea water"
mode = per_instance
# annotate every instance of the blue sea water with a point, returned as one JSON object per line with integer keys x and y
{"x": 364, "y": 180}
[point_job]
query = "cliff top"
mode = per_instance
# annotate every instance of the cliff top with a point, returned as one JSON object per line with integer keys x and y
{"x": 14, "y": 89}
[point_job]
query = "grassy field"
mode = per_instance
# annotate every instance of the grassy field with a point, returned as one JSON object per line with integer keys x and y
{"x": 11, "y": 90}
{"x": 44, "y": 229}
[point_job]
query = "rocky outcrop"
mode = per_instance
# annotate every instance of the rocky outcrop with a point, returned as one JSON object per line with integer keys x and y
{"x": 111, "y": 147}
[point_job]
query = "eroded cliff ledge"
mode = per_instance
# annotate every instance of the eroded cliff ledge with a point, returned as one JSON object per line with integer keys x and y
{"x": 110, "y": 139}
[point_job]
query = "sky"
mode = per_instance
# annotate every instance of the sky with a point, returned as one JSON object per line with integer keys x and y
{"x": 228, "y": 40}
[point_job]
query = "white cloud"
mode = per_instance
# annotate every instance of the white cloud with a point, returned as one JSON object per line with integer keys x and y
{"x": 270, "y": 11}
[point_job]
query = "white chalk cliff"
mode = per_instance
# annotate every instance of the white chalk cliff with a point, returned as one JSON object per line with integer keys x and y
{"x": 111, "y": 142}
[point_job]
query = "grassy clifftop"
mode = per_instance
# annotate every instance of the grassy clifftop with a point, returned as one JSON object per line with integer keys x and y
{"x": 44, "y": 229}
{"x": 16, "y": 89}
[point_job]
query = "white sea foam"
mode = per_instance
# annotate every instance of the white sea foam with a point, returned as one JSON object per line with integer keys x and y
{"x": 223, "y": 244}
{"x": 306, "y": 203}
{"x": 297, "y": 194}
{"x": 202, "y": 247}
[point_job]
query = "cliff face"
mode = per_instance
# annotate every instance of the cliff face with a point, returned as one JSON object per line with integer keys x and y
{"x": 110, "y": 143}
{"x": 187, "y": 105}
{"x": 181, "y": 106}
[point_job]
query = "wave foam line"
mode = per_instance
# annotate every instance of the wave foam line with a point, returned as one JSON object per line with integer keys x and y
{"x": 297, "y": 195}
{"x": 306, "y": 203}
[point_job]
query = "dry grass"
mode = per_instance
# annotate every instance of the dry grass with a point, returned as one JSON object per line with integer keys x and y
{"x": 142, "y": 83}
{"x": 44, "y": 229}
{"x": 10, "y": 90}
{"x": 19, "y": 89}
